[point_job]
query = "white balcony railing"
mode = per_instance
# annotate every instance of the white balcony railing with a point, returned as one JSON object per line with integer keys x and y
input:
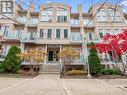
{"x": 21, "y": 19}
{"x": 88, "y": 22}
{"x": 74, "y": 22}
{"x": 33, "y": 21}
{"x": 76, "y": 37}
{"x": 28, "y": 36}
{"x": 12, "y": 35}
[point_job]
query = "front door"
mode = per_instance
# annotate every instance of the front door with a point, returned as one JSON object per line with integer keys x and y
{"x": 50, "y": 56}
{"x": 53, "y": 55}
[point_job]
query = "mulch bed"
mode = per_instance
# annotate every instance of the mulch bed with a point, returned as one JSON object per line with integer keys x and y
{"x": 9, "y": 75}
{"x": 73, "y": 76}
{"x": 93, "y": 77}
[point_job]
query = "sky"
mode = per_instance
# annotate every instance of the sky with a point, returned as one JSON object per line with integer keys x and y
{"x": 73, "y": 3}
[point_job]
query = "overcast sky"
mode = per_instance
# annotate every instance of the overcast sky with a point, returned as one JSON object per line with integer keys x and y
{"x": 73, "y": 3}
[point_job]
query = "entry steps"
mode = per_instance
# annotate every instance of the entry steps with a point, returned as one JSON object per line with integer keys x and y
{"x": 52, "y": 68}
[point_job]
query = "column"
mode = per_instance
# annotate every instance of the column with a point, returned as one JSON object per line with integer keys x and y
{"x": 46, "y": 54}
{"x": 22, "y": 47}
{"x": 60, "y": 51}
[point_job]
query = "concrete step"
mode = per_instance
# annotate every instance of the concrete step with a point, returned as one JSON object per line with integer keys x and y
{"x": 50, "y": 69}
{"x": 44, "y": 72}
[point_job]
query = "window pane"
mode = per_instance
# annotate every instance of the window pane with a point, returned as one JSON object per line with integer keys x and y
{"x": 57, "y": 33}
{"x": 49, "y": 33}
{"x": 32, "y": 36}
{"x": 65, "y": 33}
{"x": 6, "y": 31}
{"x": 41, "y": 33}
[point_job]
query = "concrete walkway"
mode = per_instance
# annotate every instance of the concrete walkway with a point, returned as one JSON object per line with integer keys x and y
{"x": 52, "y": 85}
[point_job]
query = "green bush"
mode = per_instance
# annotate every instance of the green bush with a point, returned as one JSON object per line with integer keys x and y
{"x": 2, "y": 69}
{"x": 75, "y": 72}
{"x": 94, "y": 62}
{"x": 110, "y": 72}
{"x": 12, "y": 62}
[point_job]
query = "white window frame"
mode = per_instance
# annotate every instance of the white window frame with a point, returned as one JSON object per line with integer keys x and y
{"x": 7, "y": 7}
{"x": 47, "y": 15}
{"x": 61, "y": 12}
{"x": 114, "y": 14}
{"x": 101, "y": 15}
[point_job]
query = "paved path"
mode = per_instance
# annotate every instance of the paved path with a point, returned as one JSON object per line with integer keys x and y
{"x": 52, "y": 85}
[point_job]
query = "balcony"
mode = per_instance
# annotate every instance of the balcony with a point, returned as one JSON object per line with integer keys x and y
{"x": 11, "y": 36}
{"x": 75, "y": 23}
{"x": 32, "y": 22}
{"x": 21, "y": 20}
{"x": 44, "y": 39}
{"x": 88, "y": 24}
{"x": 76, "y": 38}
{"x": 28, "y": 37}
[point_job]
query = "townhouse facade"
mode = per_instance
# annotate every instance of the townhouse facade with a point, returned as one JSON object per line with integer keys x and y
{"x": 54, "y": 26}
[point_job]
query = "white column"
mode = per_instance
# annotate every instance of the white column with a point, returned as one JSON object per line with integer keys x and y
{"x": 60, "y": 51}
{"x": 46, "y": 54}
{"x": 22, "y": 47}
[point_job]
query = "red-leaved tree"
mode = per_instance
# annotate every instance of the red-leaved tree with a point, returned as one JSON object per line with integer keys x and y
{"x": 117, "y": 46}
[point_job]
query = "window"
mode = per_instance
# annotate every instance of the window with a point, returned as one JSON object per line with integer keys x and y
{"x": 41, "y": 33}
{"x": 101, "y": 15}
{"x": 47, "y": 14}
{"x": 114, "y": 14}
{"x": 101, "y": 34}
{"x": 90, "y": 35}
{"x": 6, "y": 30}
{"x": 62, "y": 15}
{"x": 32, "y": 36}
{"x": 116, "y": 31}
{"x": 7, "y": 7}
{"x": 107, "y": 31}
{"x": 49, "y": 33}
{"x": 57, "y": 33}
{"x": 17, "y": 33}
{"x": 65, "y": 33}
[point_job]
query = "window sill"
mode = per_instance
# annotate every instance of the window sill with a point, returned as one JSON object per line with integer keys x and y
{"x": 102, "y": 21}
{"x": 53, "y": 38}
{"x": 46, "y": 21}
{"x": 116, "y": 21}
{"x": 62, "y": 21}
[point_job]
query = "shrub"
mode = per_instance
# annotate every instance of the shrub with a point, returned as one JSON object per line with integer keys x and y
{"x": 2, "y": 69}
{"x": 94, "y": 62}
{"x": 75, "y": 72}
{"x": 12, "y": 62}
{"x": 110, "y": 72}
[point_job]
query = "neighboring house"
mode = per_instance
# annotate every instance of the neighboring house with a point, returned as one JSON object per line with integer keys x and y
{"x": 54, "y": 27}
